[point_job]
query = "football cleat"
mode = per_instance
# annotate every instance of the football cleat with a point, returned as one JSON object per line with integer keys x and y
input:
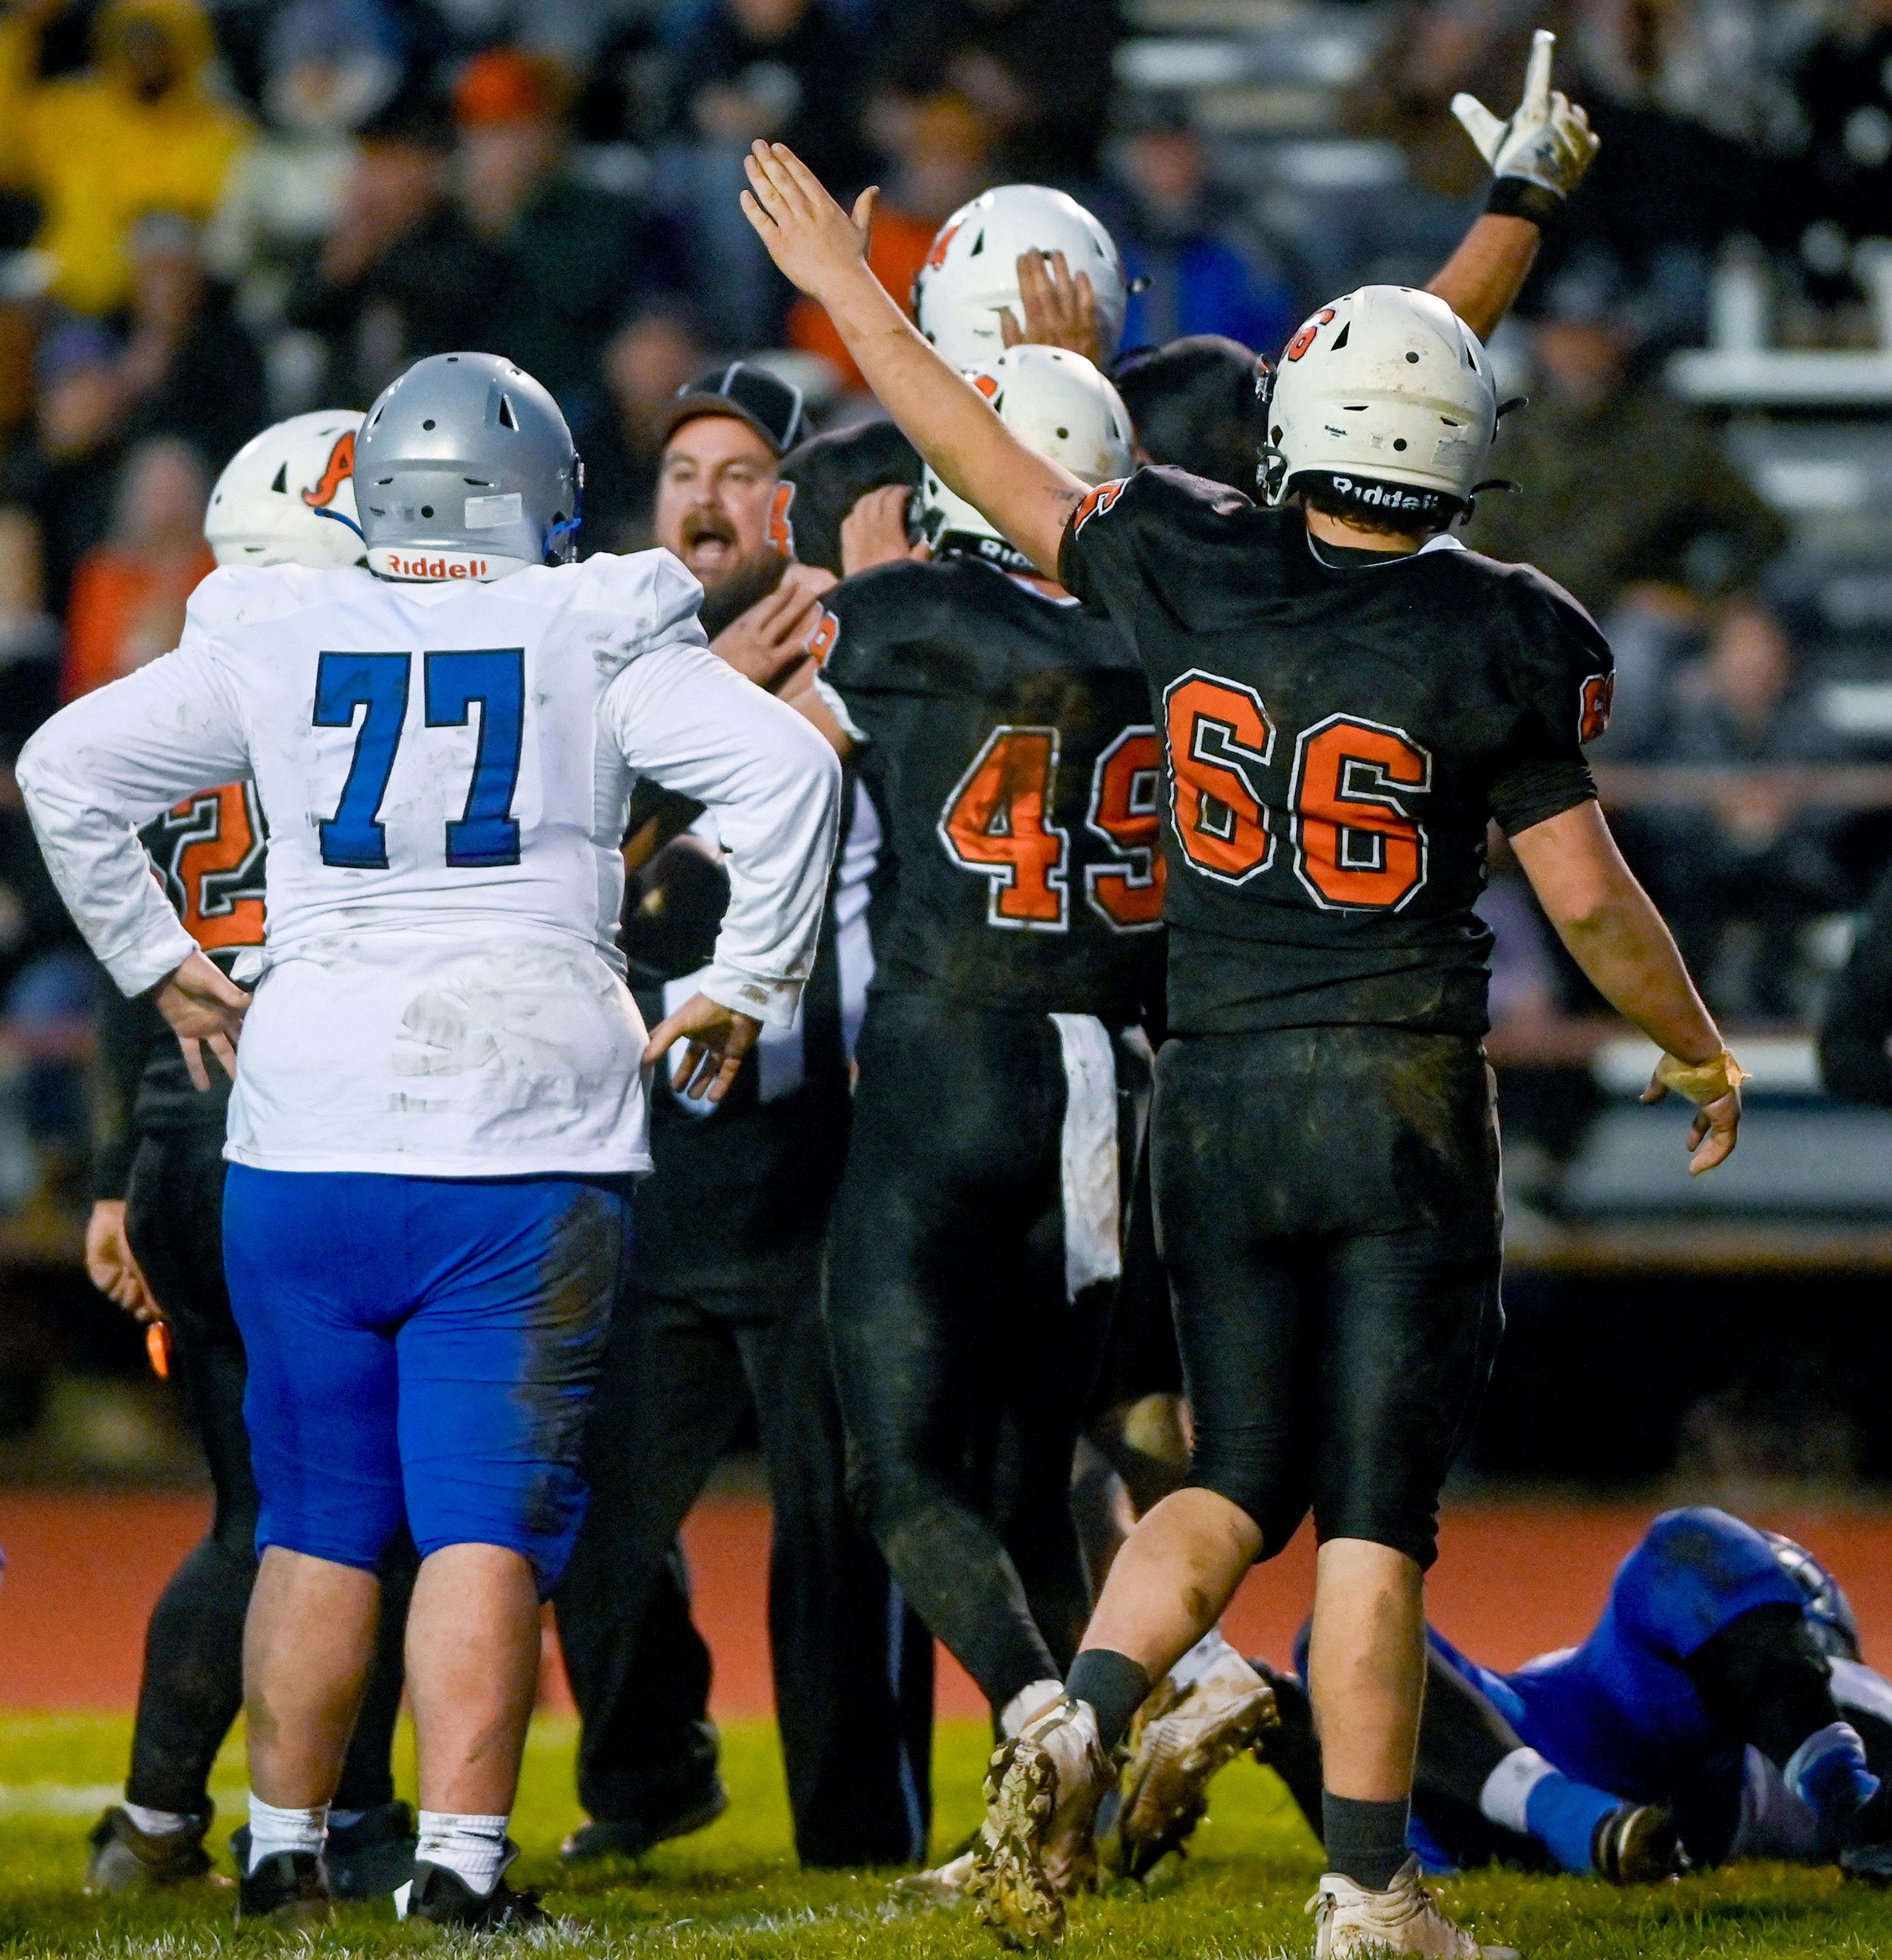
{"x": 631, "y": 1837}
{"x": 948, "y": 1884}
{"x": 439, "y": 1897}
{"x": 126, "y": 1860}
{"x": 1036, "y": 1847}
{"x": 1637, "y": 1845}
{"x": 1184, "y": 1734}
{"x": 288, "y": 1888}
{"x": 1405, "y": 1918}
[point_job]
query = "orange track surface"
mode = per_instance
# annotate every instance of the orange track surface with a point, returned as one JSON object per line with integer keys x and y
{"x": 83, "y": 1571}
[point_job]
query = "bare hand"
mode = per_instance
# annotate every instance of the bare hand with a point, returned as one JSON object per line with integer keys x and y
{"x": 110, "y": 1265}
{"x": 817, "y": 245}
{"x": 1712, "y": 1135}
{"x": 1060, "y": 311}
{"x": 874, "y": 532}
{"x": 764, "y": 642}
{"x": 204, "y": 1009}
{"x": 717, "y": 1039}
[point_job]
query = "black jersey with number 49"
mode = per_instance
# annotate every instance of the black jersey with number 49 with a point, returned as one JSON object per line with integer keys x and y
{"x": 1339, "y": 729}
{"x": 1006, "y": 742}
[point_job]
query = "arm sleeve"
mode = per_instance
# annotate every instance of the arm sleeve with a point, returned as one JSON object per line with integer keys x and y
{"x": 1158, "y": 537}
{"x": 101, "y": 768}
{"x": 1563, "y": 675}
{"x": 694, "y": 725}
{"x": 1853, "y": 1061}
{"x": 127, "y": 1030}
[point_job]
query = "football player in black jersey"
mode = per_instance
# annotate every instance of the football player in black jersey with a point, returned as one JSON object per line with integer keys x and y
{"x": 155, "y": 1244}
{"x": 1005, "y": 739}
{"x": 1347, "y": 699}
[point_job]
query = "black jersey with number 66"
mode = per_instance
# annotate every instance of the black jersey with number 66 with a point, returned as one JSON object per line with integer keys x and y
{"x": 1339, "y": 729}
{"x": 1006, "y": 742}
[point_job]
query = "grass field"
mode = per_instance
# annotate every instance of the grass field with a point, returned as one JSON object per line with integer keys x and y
{"x": 734, "y": 1890}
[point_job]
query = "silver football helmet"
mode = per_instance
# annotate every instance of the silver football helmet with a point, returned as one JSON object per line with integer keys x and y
{"x": 465, "y": 468}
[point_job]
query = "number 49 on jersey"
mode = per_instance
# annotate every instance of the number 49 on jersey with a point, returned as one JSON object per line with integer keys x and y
{"x": 1000, "y": 823}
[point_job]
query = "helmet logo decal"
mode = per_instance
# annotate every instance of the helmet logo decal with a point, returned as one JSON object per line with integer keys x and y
{"x": 781, "y": 525}
{"x": 1304, "y": 339}
{"x": 335, "y": 471}
{"x": 987, "y": 386}
{"x": 936, "y": 257}
{"x": 1599, "y": 693}
{"x": 1101, "y": 499}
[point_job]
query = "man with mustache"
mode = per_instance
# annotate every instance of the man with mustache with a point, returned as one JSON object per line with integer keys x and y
{"x": 725, "y": 1312}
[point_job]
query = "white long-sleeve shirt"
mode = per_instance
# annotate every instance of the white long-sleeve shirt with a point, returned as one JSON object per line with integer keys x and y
{"x": 445, "y": 770}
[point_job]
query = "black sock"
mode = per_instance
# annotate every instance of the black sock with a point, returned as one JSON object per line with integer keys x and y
{"x": 1114, "y": 1684}
{"x": 1365, "y": 1841}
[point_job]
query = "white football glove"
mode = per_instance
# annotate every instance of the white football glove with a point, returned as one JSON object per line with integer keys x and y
{"x": 1548, "y": 142}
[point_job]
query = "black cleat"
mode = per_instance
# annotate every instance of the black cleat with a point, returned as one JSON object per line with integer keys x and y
{"x": 439, "y": 1897}
{"x": 373, "y": 1857}
{"x": 631, "y": 1837}
{"x": 288, "y": 1888}
{"x": 125, "y": 1861}
{"x": 1636, "y": 1844}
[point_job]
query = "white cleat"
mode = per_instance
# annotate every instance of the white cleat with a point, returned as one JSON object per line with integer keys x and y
{"x": 1036, "y": 1845}
{"x": 1405, "y": 1918}
{"x": 949, "y": 1883}
{"x": 1184, "y": 1734}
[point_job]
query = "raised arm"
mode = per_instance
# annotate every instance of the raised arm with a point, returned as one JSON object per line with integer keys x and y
{"x": 1616, "y": 936}
{"x": 823, "y": 251}
{"x": 1536, "y": 158}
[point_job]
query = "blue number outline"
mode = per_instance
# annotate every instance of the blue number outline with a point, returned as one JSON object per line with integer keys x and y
{"x": 354, "y": 838}
{"x": 485, "y": 834}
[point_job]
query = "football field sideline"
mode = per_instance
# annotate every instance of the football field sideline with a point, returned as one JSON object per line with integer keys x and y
{"x": 1513, "y": 1580}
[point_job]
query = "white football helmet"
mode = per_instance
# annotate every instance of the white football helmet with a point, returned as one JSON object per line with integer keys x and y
{"x": 1058, "y": 405}
{"x": 287, "y": 496}
{"x": 971, "y": 275}
{"x": 1390, "y": 390}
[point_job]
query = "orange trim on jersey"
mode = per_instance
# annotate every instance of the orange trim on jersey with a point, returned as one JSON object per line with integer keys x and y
{"x": 1593, "y": 716}
{"x": 1100, "y": 498}
{"x": 781, "y": 525}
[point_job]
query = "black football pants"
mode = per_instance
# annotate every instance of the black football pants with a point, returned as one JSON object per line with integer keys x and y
{"x": 1328, "y": 1207}
{"x": 965, "y": 1373}
{"x": 192, "y": 1685}
{"x": 854, "y": 1673}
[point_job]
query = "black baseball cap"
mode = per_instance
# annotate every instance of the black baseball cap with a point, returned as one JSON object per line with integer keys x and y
{"x": 772, "y": 407}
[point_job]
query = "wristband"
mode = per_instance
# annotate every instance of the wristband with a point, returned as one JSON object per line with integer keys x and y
{"x": 1518, "y": 197}
{"x": 1701, "y": 1082}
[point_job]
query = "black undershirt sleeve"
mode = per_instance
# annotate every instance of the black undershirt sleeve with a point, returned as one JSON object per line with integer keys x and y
{"x": 1853, "y": 1061}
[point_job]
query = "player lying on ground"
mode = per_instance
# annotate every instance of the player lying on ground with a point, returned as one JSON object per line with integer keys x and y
{"x": 1325, "y": 1158}
{"x": 1720, "y": 1708}
{"x": 440, "y": 1094}
{"x": 155, "y": 1243}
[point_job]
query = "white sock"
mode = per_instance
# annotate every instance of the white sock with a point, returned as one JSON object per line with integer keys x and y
{"x": 1207, "y": 1654}
{"x": 1030, "y": 1701}
{"x": 473, "y": 1848}
{"x": 158, "y": 1823}
{"x": 1507, "y": 1790}
{"x": 272, "y": 1830}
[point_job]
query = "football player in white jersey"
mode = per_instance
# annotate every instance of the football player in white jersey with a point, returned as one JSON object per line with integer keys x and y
{"x": 154, "y": 1244}
{"x": 440, "y": 1088}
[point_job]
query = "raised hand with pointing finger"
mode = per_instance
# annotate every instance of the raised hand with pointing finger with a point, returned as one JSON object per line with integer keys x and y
{"x": 1547, "y": 143}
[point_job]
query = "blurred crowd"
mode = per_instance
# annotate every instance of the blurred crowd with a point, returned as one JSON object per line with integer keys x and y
{"x": 214, "y": 213}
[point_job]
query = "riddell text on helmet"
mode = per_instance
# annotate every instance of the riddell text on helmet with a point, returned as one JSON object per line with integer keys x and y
{"x": 1389, "y": 496}
{"x": 399, "y": 566}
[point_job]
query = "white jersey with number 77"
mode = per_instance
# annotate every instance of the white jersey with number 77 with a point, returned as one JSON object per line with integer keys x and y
{"x": 444, "y": 770}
